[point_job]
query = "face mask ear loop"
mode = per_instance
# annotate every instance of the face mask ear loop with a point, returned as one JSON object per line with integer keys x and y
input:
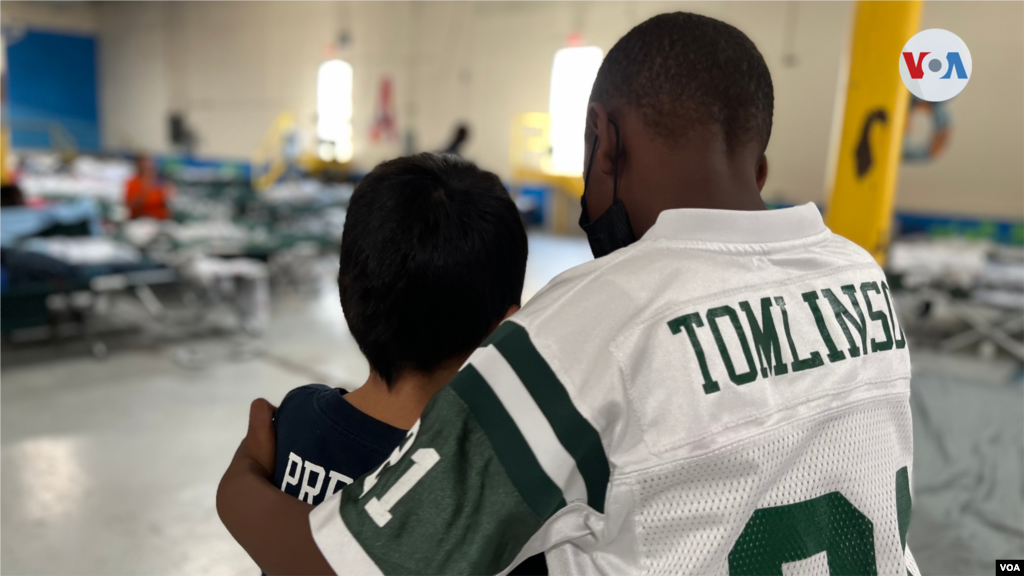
{"x": 586, "y": 177}
{"x": 618, "y": 154}
{"x": 590, "y": 163}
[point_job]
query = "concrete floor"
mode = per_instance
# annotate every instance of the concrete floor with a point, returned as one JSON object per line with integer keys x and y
{"x": 110, "y": 467}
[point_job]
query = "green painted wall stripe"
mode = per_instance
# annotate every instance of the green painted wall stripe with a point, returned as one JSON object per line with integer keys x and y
{"x": 530, "y": 480}
{"x": 578, "y": 437}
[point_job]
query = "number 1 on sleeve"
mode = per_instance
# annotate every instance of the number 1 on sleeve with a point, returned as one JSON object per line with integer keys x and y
{"x": 380, "y": 510}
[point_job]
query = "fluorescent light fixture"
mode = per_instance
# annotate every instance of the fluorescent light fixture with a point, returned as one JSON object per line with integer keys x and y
{"x": 334, "y": 107}
{"x": 572, "y": 77}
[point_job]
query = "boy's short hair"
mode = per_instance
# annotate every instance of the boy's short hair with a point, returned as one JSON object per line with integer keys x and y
{"x": 11, "y": 195}
{"x": 433, "y": 254}
{"x": 683, "y": 71}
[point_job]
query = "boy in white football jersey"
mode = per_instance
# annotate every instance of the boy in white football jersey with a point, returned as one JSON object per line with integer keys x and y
{"x": 723, "y": 390}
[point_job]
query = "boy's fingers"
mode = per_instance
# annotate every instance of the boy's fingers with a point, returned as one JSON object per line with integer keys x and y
{"x": 260, "y": 439}
{"x": 261, "y": 415}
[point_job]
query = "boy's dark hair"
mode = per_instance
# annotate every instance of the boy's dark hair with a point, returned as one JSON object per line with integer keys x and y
{"x": 432, "y": 256}
{"x": 682, "y": 71}
{"x": 10, "y": 195}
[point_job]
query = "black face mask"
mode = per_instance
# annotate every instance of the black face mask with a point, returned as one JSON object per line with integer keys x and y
{"x": 611, "y": 230}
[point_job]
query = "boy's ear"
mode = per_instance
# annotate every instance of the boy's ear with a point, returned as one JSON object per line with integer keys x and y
{"x": 762, "y": 172}
{"x": 599, "y": 124}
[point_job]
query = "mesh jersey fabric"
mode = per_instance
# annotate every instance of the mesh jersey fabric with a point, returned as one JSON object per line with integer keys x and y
{"x": 727, "y": 395}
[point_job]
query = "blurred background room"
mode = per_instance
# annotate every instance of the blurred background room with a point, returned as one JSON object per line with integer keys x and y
{"x": 176, "y": 176}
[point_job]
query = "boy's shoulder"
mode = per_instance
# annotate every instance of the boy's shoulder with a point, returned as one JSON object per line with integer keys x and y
{"x": 301, "y": 401}
{"x": 323, "y": 442}
{"x": 307, "y": 393}
{"x": 321, "y": 418}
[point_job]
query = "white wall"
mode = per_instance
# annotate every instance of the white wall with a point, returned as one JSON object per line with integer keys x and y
{"x": 980, "y": 171}
{"x": 53, "y": 16}
{"x": 229, "y": 67}
{"x": 232, "y": 67}
{"x": 484, "y": 62}
{"x": 134, "y": 84}
{"x": 489, "y": 61}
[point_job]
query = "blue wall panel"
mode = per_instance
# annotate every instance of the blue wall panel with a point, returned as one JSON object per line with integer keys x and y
{"x": 52, "y": 78}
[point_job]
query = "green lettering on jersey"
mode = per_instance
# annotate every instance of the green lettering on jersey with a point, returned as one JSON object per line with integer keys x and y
{"x": 876, "y": 316}
{"x": 783, "y": 534}
{"x": 903, "y": 504}
{"x": 690, "y": 323}
{"x": 799, "y": 364}
{"x": 766, "y": 339}
{"x": 843, "y": 317}
{"x": 901, "y": 342}
{"x": 829, "y": 523}
{"x": 834, "y": 354}
{"x": 713, "y": 315}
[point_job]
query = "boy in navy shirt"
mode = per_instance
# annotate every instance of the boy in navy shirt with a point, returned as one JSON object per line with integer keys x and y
{"x": 433, "y": 257}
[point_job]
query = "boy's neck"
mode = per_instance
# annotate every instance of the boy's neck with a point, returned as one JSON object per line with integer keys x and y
{"x": 401, "y": 404}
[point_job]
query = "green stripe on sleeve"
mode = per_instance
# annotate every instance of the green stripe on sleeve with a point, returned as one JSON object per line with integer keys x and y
{"x": 464, "y": 516}
{"x": 575, "y": 433}
{"x": 533, "y": 484}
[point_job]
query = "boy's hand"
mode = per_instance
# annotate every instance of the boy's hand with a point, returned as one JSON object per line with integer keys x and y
{"x": 260, "y": 442}
{"x": 272, "y": 526}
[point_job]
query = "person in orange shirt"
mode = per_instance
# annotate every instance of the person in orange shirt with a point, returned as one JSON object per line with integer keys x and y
{"x": 147, "y": 196}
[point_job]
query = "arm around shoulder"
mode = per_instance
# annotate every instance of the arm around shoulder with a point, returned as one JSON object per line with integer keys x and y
{"x": 270, "y": 525}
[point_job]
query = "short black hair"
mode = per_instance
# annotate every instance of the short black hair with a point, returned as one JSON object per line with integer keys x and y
{"x": 683, "y": 71}
{"x": 11, "y": 195}
{"x": 433, "y": 254}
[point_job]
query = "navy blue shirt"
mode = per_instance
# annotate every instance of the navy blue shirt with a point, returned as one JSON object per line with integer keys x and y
{"x": 324, "y": 443}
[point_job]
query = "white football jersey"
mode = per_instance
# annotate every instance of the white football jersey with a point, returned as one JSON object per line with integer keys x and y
{"x": 728, "y": 395}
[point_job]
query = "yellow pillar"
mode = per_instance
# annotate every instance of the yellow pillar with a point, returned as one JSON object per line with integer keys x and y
{"x": 871, "y": 145}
